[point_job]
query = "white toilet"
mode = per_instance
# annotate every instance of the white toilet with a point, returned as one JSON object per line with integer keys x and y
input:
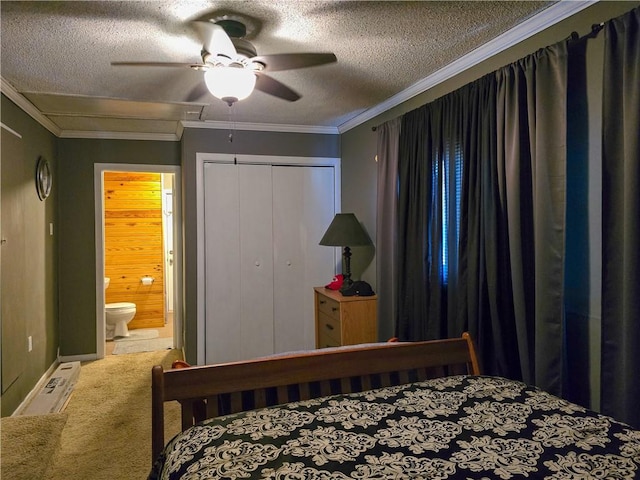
{"x": 117, "y": 316}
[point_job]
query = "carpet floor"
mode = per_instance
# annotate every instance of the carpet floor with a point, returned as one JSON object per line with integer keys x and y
{"x": 26, "y": 438}
{"x": 108, "y": 430}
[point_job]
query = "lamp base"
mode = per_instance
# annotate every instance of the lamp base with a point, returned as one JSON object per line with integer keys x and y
{"x": 346, "y": 284}
{"x": 346, "y": 270}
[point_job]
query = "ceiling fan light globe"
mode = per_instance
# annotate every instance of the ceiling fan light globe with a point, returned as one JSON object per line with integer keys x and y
{"x": 228, "y": 83}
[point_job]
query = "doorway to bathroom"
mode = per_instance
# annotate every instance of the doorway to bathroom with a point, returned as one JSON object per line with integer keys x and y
{"x": 138, "y": 258}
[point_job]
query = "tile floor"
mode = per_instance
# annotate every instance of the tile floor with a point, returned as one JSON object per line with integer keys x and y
{"x": 164, "y": 332}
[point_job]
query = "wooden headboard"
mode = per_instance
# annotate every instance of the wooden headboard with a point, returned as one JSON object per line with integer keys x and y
{"x": 214, "y": 390}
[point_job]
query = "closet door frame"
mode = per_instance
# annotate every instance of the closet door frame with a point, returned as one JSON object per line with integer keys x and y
{"x": 204, "y": 157}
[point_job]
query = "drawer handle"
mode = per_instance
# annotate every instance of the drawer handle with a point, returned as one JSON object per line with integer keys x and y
{"x": 334, "y": 309}
{"x": 329, "y": 327}
{"x": 322, "y": 302}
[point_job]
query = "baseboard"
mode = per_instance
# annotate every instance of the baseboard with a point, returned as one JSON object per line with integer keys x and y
{"x": 89, "y": 357}
{"x": 36, "y": 389}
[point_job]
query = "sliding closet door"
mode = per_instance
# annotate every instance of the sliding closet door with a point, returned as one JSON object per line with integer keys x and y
{"x": 222, "y": 288}
{"x": 303, "y": 207}
{"x": 238, "y": 253}
{"x": 256, "y": 261}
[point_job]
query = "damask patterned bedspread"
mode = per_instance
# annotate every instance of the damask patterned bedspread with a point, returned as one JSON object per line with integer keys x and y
{"x": 461, "y": 427}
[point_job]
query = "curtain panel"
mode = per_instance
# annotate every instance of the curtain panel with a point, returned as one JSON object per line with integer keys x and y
{"x": 532, "y": 151}
{"x": 620, "y": 388}
{"x": 413, "y": 228}
{"x": 387, "y": 199}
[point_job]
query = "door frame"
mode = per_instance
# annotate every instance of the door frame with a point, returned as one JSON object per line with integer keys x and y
{"x": 98, "y": 179}
{"x": 168, "y": 301}
{"x": 205, "y": 157}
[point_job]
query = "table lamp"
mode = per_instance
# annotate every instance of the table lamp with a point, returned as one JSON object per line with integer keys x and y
{"x": 345, "y": 231}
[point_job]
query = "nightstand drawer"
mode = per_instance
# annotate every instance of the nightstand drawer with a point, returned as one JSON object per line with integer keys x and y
{"x": 328, "y": 325}
{"x": 326, "y": 340}
{"x": 329, "y": 306}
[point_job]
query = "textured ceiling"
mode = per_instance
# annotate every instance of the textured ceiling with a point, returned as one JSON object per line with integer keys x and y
{"x": 57, "y": 55}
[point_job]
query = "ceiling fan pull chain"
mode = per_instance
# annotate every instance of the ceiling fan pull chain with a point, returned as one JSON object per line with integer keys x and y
{"x": 232, "y": 128}
{"x": 230, "y": 119}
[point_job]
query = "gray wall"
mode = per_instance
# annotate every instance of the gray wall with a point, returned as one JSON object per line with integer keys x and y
{"x": 244, "y": 142}
{"x": 76, "y": 229}
{"x": 40, "y": 310}
{"x": 359, "y": 148}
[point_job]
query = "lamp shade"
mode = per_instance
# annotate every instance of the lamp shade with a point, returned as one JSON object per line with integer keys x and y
{"x": 345, "y": 230}
{"x": 230, "y": 84}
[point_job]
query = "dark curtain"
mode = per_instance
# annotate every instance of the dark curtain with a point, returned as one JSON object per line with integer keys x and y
{"x": 531, "y": 165}
{"x": 414, "y": 228}
{"x": 581, "y": 175}
{"x": 485, "y": 303}
{"x": 620, "y": 387}
{"x": 505, "y": 264}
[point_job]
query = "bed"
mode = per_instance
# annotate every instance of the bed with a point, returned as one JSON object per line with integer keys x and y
{"x": 395, "y": 410}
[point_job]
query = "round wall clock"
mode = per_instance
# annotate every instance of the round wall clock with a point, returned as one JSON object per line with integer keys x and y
{"x": 43, "y": 178}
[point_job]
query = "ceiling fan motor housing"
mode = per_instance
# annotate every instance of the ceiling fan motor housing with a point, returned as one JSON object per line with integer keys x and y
{"x": 234, "y": 28}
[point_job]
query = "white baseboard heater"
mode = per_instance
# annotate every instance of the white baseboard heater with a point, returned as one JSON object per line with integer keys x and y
{"x": 55, "y": 393}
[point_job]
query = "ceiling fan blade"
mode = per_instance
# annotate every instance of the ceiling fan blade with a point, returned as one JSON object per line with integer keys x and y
{"x": 159, "y": 64}
{"x": 197, "y": 92}
{"x": 214, "y": 39}
{"x": 290, "y": 61}
{"x": 270, "y": 85}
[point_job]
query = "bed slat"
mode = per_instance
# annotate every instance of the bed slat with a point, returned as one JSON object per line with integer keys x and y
{"x": 236, "y": 402}
{"x": 305, "y": 391}
{"x": 345, "y": 385}
{"x": 213, "y": 408}
{"x": 366, "y": 382}
{"x": 282, "y": 394}
{"x": 260, "y": 398}
{"x": 325, "y": 388}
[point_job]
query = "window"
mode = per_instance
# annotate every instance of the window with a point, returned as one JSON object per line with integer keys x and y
{"x": 449, "y": 188}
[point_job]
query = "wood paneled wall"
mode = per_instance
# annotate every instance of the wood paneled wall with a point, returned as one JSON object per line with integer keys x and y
{"x": 134, "y": 245}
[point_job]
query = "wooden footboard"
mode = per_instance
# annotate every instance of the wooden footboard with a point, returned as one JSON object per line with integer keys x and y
{"x": 214, "y": 390}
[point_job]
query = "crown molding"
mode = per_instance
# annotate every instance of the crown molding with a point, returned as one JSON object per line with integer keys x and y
{"x": 545, "y": 19}
{"x": 262, "y": 127}
{"x": 12, "y": 94}
{"x": 10, "y": 130}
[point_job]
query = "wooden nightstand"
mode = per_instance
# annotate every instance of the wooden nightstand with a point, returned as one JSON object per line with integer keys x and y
{"x": 344, "y": 320}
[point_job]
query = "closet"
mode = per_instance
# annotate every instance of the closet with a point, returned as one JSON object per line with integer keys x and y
{"x": 262, "y": 226}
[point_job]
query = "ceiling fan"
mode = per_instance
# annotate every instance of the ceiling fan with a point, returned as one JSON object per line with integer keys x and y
{"x": 232, "y": 68}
